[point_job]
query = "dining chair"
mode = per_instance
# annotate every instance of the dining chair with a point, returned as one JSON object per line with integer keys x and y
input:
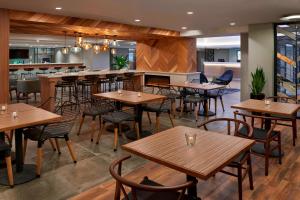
{"x": 267, "y": 138}
{"x": 288, "y": 121}
{"x": 147, "y": 189}
{"x": 56, "y": 130}
{"x": 26, "y": 87}
{"x": 225, "y": 78}
{"x": 117, "y": 117}
{"x": 232, "y": 127}
{"x": 6, "y": 152}
{"x": 97, "y": 108}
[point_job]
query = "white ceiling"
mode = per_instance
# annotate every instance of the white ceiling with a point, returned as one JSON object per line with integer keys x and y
{"x": 211, "y": 17}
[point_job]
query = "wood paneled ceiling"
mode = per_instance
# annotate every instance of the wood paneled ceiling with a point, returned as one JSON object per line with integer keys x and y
{"x": 47, "y": 24}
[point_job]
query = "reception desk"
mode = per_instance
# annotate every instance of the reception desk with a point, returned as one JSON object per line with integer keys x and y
{"x": 216, "y": 69}
{"x": 41, "y": 65}
{"x": 48, "y": 82}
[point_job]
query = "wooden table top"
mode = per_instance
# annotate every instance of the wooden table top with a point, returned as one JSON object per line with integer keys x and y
{"x": 212, "y": 151}
{"x": 130, "y": 97}
{"x": 26, "y": 116}
{"x": 198, "y": 86}
{"x": 278, "y": 108}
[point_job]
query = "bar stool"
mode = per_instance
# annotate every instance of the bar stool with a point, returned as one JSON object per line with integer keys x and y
{"x": 28, "y": 72}
{"x": 43, "y": 70}
{"x": 128, "y": 81}
{"x": 88, "y": 84}
{"x": 68, "y": 83}
{"x": 81, "y": 68}
{"x": 57, "y": 69}
{"x": 111, "y": 80}
{"x": 13, "y": 73}
{"x": 71, "y": 68}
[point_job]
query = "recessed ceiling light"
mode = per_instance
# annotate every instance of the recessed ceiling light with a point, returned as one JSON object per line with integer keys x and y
{"x": 137, "y": 20}
{"x": 232, "y": 23}
{"x": 190, "y": 12}
{"x": 290, "y": 17}
{"x": 183, "y": 28}
{"x": 58, "y": 8}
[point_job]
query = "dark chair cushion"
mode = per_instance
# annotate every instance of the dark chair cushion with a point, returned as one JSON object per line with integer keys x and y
{"x": 95, "y": 111}
{"x": 4, "y": 147}
{"x": 194, "y": 99}
{"x": 146, "y": 195}
{"x": 258, "y": 133}
{"x": 118, "y": 117}
{"x": 157, "y": 107}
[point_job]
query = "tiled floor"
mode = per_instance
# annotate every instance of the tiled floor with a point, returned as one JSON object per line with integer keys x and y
{"x": 61, "y": 179}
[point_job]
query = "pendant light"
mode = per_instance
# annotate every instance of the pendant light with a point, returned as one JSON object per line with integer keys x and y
{"x": 76, "y": 48}
{"x": 113, "y": 51}
{"x": 65, "y": 49}
{"x": 97, "y": 47}
{"x": 79, "y": 40}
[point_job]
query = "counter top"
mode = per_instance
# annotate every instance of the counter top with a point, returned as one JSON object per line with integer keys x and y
{"x": 33, "y": 64}
{"x": 223, "y": 64}
{"x": 171, "y": 73}
{"x": 87, "y": 72}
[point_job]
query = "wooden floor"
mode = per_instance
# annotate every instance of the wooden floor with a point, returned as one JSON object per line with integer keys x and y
{"x": 283, "y": 181}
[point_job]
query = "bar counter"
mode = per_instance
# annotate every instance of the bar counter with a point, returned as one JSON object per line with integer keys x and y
{"x": 48, "y": 82}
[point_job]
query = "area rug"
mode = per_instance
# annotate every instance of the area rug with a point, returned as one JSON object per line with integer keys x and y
{"x": 230, "y": 90}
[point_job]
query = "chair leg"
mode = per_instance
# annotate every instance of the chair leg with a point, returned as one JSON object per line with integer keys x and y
{"x": 221, "y": 99}
{"x": 137, "y": 129}
{"x": 93, "y": 125}
{"x": 70, "y": 147}
{"x": 116, "y": 138}
{"x": 81, "y": 122}
{"x": 24, "y": 148}
{"x": 52, "y": 144}
{"x": 240, "y": 181}
{"x": 216, "y": 105}
{"x": 170, "y": 117}
{"x": 279, "y": 149}
{"x": 9, "y": 171}
{"x": 209, "y": 103}
{"x": 173, "y": 108}
{"x": 250, "y": 172}
{"x": 267, "y": 153}
{"x": 181, "y": 108}
{"x": 294, "y": 129}
{"x": 157, "y": 123}
{"x": 39, "y": 160}
{"x": 149, "y": 118}
{"x": 57, "y": 146}
{"x": 196, "y": 111}
{"x": 100, "y": 133}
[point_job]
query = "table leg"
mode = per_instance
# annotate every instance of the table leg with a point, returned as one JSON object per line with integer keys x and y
{"x": 206, "y": 112}
{"x": 192, "y": 191}
{"x": 19, "y": 150}
{"x": 294, "y": 124}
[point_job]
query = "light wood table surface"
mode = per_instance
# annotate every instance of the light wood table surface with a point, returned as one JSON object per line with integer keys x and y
{"x": 211, "y": 153}
{"x": 26, "y": 116}
{"x": 278, "y": 108}
{"x": 132, "y": 98}
{"x": 205, "y": 87}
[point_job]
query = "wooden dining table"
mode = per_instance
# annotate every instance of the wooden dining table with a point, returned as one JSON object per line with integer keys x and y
{"x": 27, "y": 115}
{"x": 205, "y": 87}
{"x": 211, "y": 153}
{"x": 133, "y": 98}
{"x": 287, "y": 110}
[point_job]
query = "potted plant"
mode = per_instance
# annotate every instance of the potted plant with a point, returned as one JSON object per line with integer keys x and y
{"x": 257, "y": 84}
{"x": 120, "y": 62}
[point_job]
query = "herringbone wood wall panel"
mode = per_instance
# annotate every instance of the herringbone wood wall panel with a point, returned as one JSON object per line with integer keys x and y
{"x": 167, "y": 55}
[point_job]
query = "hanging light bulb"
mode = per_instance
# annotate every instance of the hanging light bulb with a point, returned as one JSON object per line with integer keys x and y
{"x": 79, "y": 40}
{"x": 106, "y": 42}
{"x": 86, "y": 46}
{"x": 113, "y": 51}
{"x": 114, "y": 43}
{"x": 97, "y": 48}
{"x": 76, "y": 48}
{"x": 65, "y": 49}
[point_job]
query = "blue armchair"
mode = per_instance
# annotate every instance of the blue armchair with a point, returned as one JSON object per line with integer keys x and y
{"x": 225, "y": 78}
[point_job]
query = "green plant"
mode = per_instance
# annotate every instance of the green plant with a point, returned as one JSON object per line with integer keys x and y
{"x": 120, "y": 62}
{"x": 258, "y": 81}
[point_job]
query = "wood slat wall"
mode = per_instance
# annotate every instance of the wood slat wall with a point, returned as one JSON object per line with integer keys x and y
{"x": 4, "y": 55}
{"x": 167, "y": 55}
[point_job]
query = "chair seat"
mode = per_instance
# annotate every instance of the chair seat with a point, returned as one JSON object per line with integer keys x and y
{"x": 258, "y": 133}
{"x": 173, "y": 96}
{"x": 194, "y": 99}
{"x": 51, "y": 131}
{"x": 157, "y": 107}
{"x": 118, "y": 117}
{"x": 146, "y": 195}
{"x": 95, "y": 111}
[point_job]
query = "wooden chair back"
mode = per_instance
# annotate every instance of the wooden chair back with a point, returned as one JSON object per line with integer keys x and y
{"x": 122, "y": 182}
{"x": 282, "y": 99}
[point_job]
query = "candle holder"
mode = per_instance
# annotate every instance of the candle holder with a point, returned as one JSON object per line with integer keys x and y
{"x": 3, "y": 108}
{"x": 14, "y": 115}
{"x": 139, "y": 94}
{"x": 119, "y": 92}
{"x": 267, "y": 102}
{"x": 190, "y": 139}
